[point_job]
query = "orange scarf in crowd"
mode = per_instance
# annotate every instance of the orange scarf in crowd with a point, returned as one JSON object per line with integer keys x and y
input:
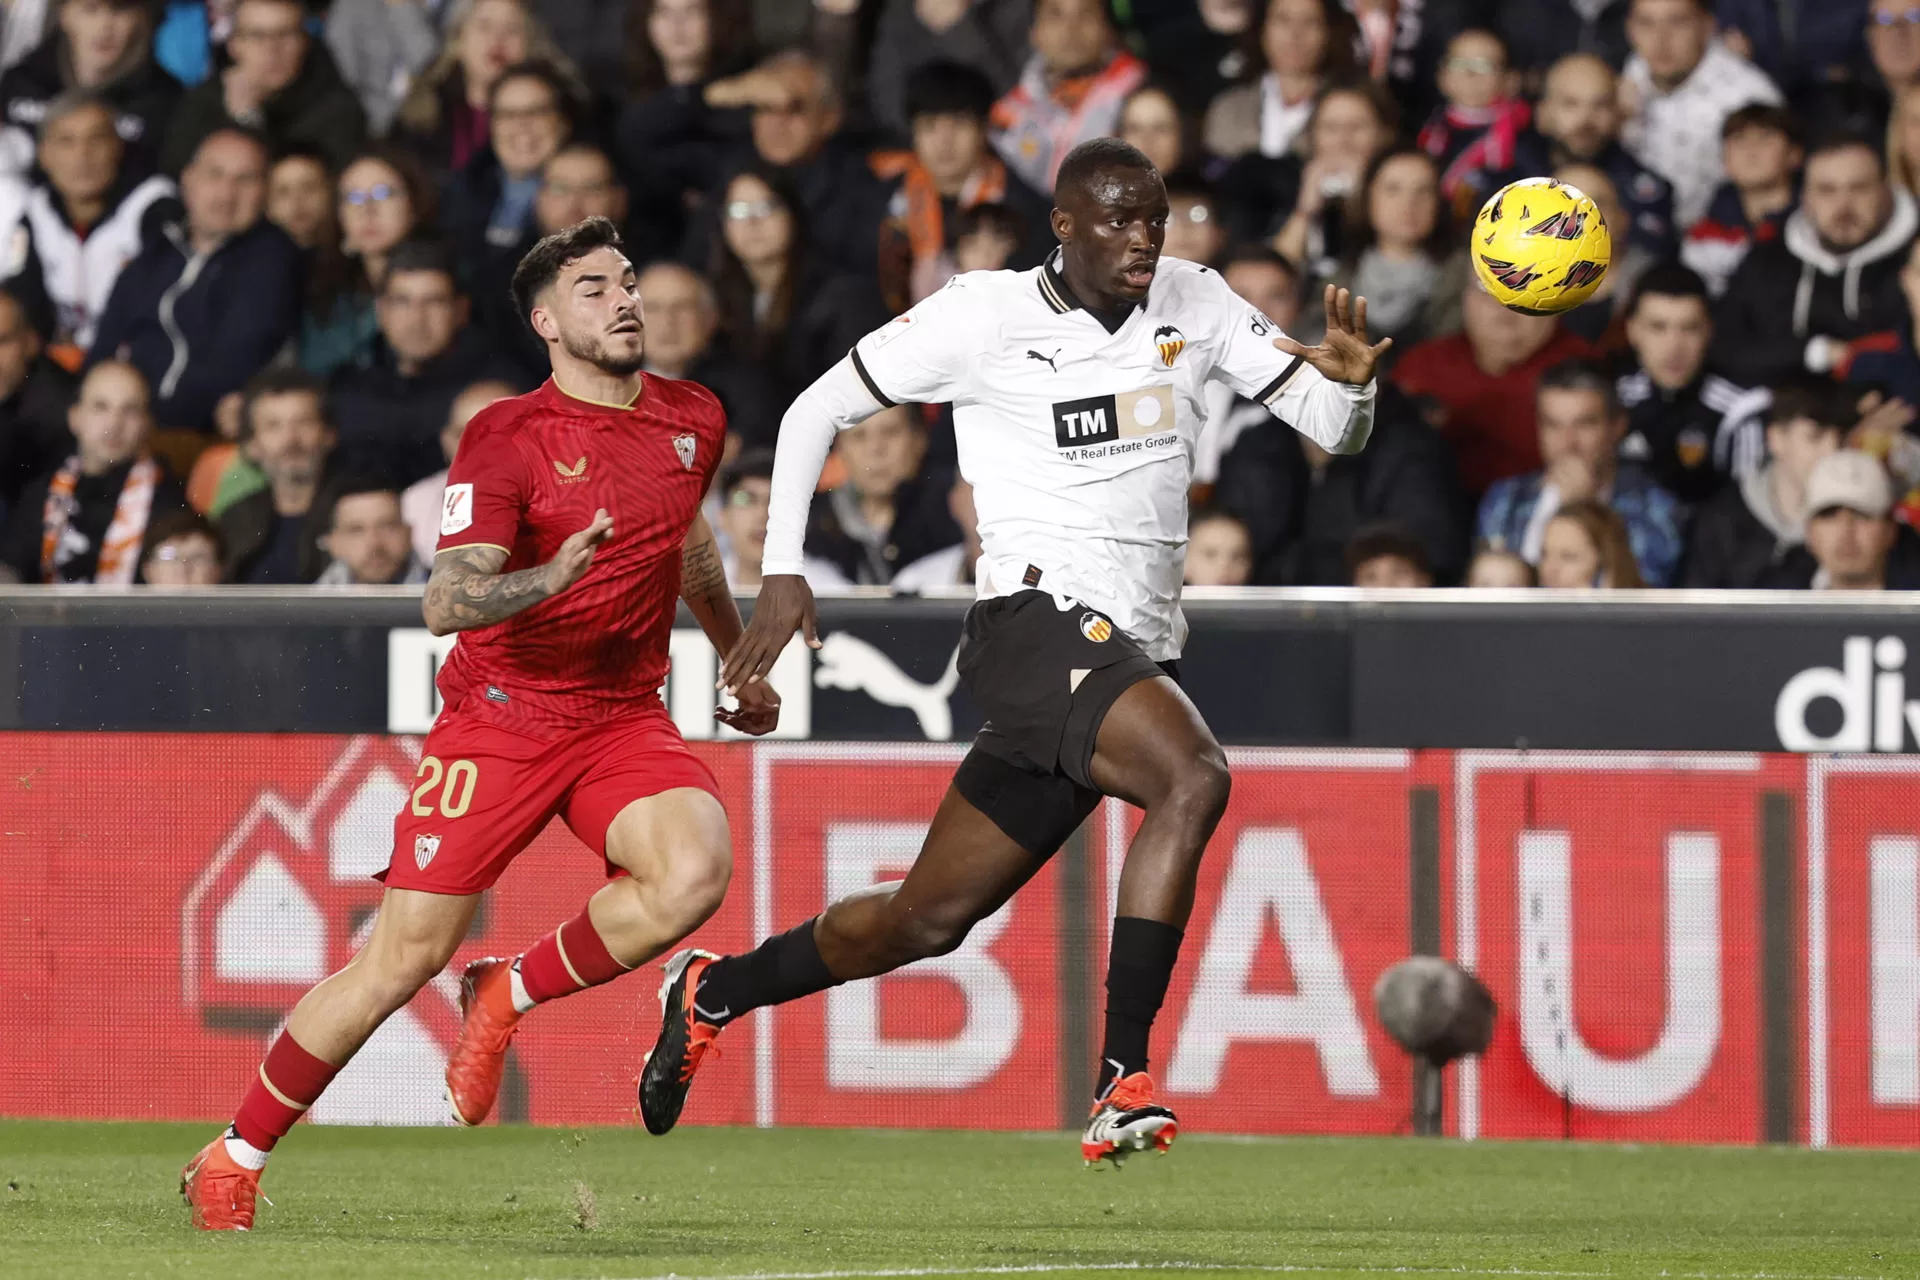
{"x": 922, "y": 220}
{"x": 120, "y": 548}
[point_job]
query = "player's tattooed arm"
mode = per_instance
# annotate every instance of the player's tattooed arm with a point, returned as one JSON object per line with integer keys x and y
{"x": 703, "y": 585}
{"x": 467, "y": 589}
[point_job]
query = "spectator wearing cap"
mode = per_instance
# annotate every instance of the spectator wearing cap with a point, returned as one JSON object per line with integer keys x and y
{"x": 1482, "y": 379}
{"x": 272, "y": 535}
{"x": 985, "y": 36}
{"x": 1387, "y": 556}
{"x": 87, "y": 519}
{"x": 889, "y": 512}
{"x": 795, "y": 121}
{"x": 745, "y": 491}
{"x": 380, "y": 46}
{"x": 1683, "y": 83}
{"x": 684, "y": 341}
{"x": 1750, "y": 528}
{"x": 390, "y": 411}
{"x": 367, "y": 538}
{"x": 1071, "y": 89}
{"x": 281, "y": 84}
{"x": 1581, "y": 425}
{"x": 1302, "y": 505}
{"x": 420, "y": 505}
{"x": 99, "y": 47}
{"x": 226, "y": 280}
{"x": 183, "y": 550}
{"x": 1761, "y": 153}
{"x": 1852, "y": 543}
{"x": 949, "y": 169}
{"x": 1832, "y": 276}
{"x": 68, "y": 235}
{"x": 34, "y": 396}
{"x": 1578, "y": 122}
{"x": 1690, "y": 428}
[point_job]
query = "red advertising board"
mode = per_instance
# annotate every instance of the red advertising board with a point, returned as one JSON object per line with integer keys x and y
{"x": 164, "y": 900}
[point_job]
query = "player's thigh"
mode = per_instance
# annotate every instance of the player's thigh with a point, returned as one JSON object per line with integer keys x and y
{"x": 1152, "y": 741}
{"x": 416, "y": 933}
{"x": 480, "y": 796}
{"x": 649, "y": 807}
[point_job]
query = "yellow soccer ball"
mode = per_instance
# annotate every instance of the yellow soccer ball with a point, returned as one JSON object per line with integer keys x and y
{"x": 1540, "y": 246}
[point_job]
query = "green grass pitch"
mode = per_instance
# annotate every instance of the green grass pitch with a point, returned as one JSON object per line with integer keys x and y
{"x": 100, "y": 1200}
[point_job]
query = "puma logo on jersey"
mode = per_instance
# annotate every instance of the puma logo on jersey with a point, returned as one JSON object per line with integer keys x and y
{"x": 571, "y": 474}
{"x": 1046, "y": 360}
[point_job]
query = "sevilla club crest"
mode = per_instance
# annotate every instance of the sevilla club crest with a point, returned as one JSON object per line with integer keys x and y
{"x": 688, "y": 447}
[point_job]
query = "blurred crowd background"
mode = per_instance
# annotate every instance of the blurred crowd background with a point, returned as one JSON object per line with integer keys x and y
{"x": 254, "y": 258}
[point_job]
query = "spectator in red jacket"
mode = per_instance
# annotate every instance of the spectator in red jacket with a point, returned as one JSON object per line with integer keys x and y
{"x": 1484, "y": 380}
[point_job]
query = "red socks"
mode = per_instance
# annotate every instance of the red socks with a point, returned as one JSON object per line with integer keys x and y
{"x": 289, "y": 1081}
{"x": 571, "y": 958}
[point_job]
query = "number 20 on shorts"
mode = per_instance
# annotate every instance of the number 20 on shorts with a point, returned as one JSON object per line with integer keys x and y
{"x": 455, "y": 781}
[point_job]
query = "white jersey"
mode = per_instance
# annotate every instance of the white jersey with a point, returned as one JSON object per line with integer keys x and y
{"x": 1078, "y": 433}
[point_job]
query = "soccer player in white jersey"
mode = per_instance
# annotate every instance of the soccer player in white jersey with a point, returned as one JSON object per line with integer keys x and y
{"x": 1077, "y": 394}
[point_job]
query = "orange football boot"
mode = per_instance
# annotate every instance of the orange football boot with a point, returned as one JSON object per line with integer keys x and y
{"x": 1126, "y": 1119}
{"x": 218, "y": 1190}
{"x": 479, "y": 1057}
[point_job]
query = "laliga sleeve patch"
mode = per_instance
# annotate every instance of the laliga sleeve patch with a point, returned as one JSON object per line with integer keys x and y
{"x": 456, "y": 509}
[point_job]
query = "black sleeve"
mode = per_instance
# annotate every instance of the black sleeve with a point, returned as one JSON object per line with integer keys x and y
{"x": 1416, "y": 487}
{"x": 20, "y": 546}
{"x": 1753, "y": 338}
{"x": 1260, "y": 482}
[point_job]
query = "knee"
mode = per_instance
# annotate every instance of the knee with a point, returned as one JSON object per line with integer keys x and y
{"x": 693, "y": 887}
{"x": 394, "y": 973}
{"x": 1200, "y": 787}
{"x": 918, "y": 935}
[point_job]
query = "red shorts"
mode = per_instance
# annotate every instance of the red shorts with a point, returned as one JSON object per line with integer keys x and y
{"x": 484, "y": 791}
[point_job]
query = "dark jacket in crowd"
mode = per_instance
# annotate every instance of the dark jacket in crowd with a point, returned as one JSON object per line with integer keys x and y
{"x": 1826, "y": 36}
{"x": 1301, "y": 518}
{"x": 991, "y": 38}
{"x": 1538, "y": 32}
{"x": 33, "y": 429}
{"x": 843, "y": 202}
{"x": 143, "y": 97}
{"x": 318, "y": 109}
{"x": 1792, "y": 289}
{"x": 1646, "y": 196}
{"x": 389, "y": 422}
{"x": 1717, "y": 244}
{"x": 1797, "y": 569}
{"x": 1887, "y": 363}
{"x": 831, "y": 312}
{"x": 228, "y": 313}
{"x": 95, "y": 499}
{"x": 672, "y": 148}
{"x": 1692, "y": 439}
{"x": 248, "y": 527}
{"x": 751, "y": 400}
{"x": 922, "y": 525}
{"x": 1740, "y": 538}
{"x": 592, "y": 35}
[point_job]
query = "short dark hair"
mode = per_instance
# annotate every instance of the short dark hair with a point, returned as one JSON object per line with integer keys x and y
{"x": 948, "y": 89}
{"x": 992, "y": 216}
{"x": 1260, "y": 255}
{"x": 546, "y": 73}
{"x": 1761, "y": 115}
{"x": 1669, "y": 280}
{"x": 295, "y": 149}
{"x": 1844, "y": 140}
{"x": 353, "y": 485}
{"x": 1192, "y": 184}
{"x": 185, "y": 523}
{"x": 419, "y": 255}
{"x": 752, "y": 464}
{"x": 547, "y": 259}
{"x": 1096, "y": 156}
{"x": 240, "y": 131}
{"x": 1204, "y": 514}
{"x": 1371, "y": 542}
{"x": 286, "y": 381}
{"x": 1820, "y": 400}
{"x": 71, "y": 102}
{"x": 1582, "y": 375}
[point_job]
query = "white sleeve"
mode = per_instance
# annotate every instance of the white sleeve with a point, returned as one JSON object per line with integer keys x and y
{"x": 838, "y": 399}
{"x": 916, "y": 358}
{"x": 1334, "y": 415}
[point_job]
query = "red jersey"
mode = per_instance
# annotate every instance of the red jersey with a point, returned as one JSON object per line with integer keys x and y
{"x": 529, "y": 474}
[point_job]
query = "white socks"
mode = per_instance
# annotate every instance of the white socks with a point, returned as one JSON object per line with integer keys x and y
{"x": 521, "y": 1000}
{"x": 244, "y": 1153}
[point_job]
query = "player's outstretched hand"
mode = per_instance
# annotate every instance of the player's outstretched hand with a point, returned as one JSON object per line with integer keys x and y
{"x": 758, "y": 713}
{"x": 1343, "y": 355}
{"x": 785, "y": 605}
{"x": 575, "y": 556}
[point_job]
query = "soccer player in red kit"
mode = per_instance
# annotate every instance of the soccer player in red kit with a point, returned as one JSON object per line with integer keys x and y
{"x": 570, "y": 528}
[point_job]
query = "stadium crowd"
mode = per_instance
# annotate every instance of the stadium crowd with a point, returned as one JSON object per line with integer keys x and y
{"x": 254, "y": 260}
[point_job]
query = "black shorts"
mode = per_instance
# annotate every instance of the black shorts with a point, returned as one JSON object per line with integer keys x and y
{"x": 1045, "y": 677}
